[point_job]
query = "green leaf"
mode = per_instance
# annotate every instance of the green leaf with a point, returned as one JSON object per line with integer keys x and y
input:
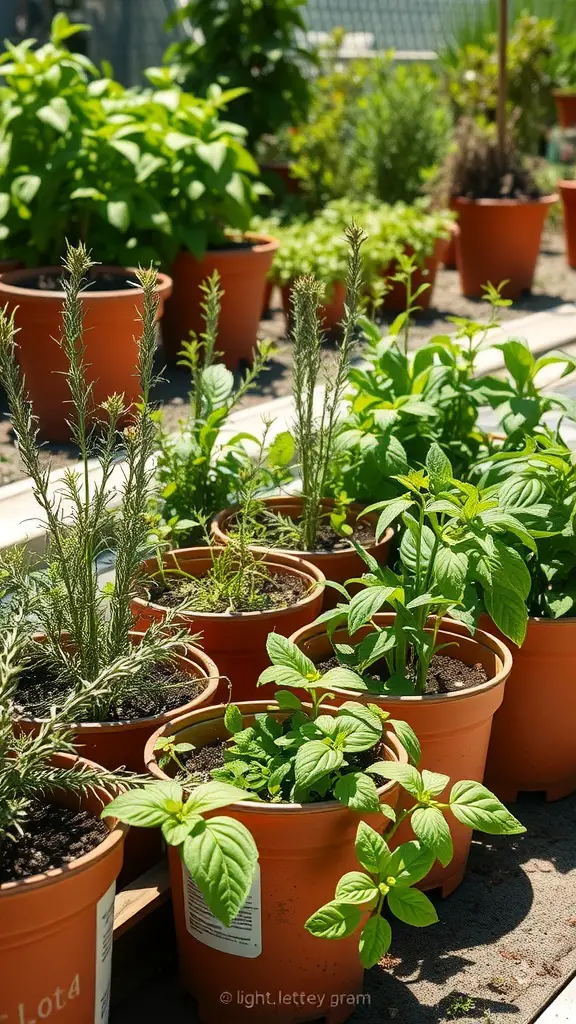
{"x": 177, "y": 140}
{"x": 218, "y": 383}
{"x": 357, "y": 791}
{"x": 371, "y": 850}
{"x": 356, "y": 887}
{"x": 362, "y": 728}
{"x": 57, "y": 114}
{"x": 147, "y": 807}
{"x": 438, "y": 466}
{"x": 288, "y": 701}
{"x": 405, "y": 774}
{"x": 129, "y": 150}
{"x": 282, "y": 651}
{"x": 450, "y": 571}
{"x": 118, "y": 214}
{"x": 412, "y": 906}
{"x": 233, "y": 719}
{"x": 508, "y": 611}
{"x": 195, "y": 189}
{"x": 222, "y": 859}
{"x": 235, "y": 188}
{"x": 434, "y": 782}
{"x": 408, "y": 739}
{"x": 25, "y": 187}
{"x": 365, "y": 604}
{"x": 391, "y": 514}
{"x": 62, "y": 28}
{"x": 313, "y": 761}
{"x": 209, "y": 796}
{"x": 4, "y": 204}
{"x": 213, "y": 154}
{"x": 518, "y": 358}
{"x": 375, "y": 941}
{"x": 175, "y": 831}
{"x": 475, "y": 806}
{"x": 87, "y": 193}
{"x": 343, "y": 679}
{"x": 432, "y": 829}
{"x": 410, "y": 863}
{"x": 281, "y": 451}
{"x": 334, "y": 921}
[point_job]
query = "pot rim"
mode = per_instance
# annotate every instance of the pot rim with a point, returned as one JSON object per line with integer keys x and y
{"x": 117, "y": 831}
{"x": 552, "y": 197}
{"x": 567, "y": 184}
{"x": 261, "y": 243}
{"x": 300, "y": 564}
{"x": 128, "y": 725}
{"x": 9, "y": 284}
{"x": 567, "y": 92}
{"x": 495, "y": 645}
{"x": 391, "y": 741}
{"x": 218, "y": 527}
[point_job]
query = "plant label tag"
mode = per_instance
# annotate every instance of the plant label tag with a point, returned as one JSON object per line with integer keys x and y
{"x": 242, "y": 938}
{"x": 104, "y": 943}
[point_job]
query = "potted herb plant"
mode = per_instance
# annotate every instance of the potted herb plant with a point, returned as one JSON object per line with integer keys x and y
{"x": 454, "y": 536}
{"x": 567, "y": 190}
{"x": 81, "y": 638}
{"x": 300, "y": 781}
{"x": 565, "y": 80}
{"x": 501, "y": 210}
{"x": 197, "y": 471}
{"x": 313, "y": 526}
{"x": 540, "y": 480}
{"x": 58, "y": 860}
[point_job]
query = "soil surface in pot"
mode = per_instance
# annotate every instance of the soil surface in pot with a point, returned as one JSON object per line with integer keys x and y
{"x": 103, "y": 282}
{"x": 52, "y": 836}
{"x": 162, "y": 688}
{"x": 275, "y": 590}
{"x": 201, "y": 762}
{"x": 445, "y": 674}
{"x": 364, "y": 533}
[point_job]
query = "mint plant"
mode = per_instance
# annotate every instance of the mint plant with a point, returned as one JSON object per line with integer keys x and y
{"x": 219, "y": 852}
{"x": 197, "y": 471}
{"x": 386, "y": 884}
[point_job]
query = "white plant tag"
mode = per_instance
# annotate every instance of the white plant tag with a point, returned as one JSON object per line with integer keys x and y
{"x": 104, "y": 943}
{"x": 242, "y": 938}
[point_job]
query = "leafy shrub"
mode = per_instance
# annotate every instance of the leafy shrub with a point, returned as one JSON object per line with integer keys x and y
{"x": 475, "y": 169}
{"x": 252, "y": 44}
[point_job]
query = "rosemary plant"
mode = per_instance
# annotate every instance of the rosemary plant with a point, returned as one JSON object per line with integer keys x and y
{"x": 86, "y": 630}
{"x": 315, "y": 436}
{"x": 27, "y": 769}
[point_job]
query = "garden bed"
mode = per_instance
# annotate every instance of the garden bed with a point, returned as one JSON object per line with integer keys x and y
{"x": 555, "y": 282}
{"x": 505, "y": 942}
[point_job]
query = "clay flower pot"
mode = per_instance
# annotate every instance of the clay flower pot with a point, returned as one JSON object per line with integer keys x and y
{"x": 565, "y": 101}
{"x": 304, "y": 849}
{"x": 7, "y": 265}
{"x": 395, "y": 299}
{"x": 338, "y": 566}
{"x": 499, "y": 239}
{"x": 237, "y": 639}
{"x": 110, "y": 336}
{"x": 243, "y": 270}
{"x": 540, "y": 690}
{"x": 453, "y": 728}
{"x": 331, "y": 312}
{"x": 121, "y": 744}
{"x": 56, "y": 932}
{"x": 568, "y": 194}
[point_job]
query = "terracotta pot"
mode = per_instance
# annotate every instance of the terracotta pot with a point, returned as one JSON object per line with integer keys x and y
{"x": 56, "y": 933}
{"x": 565, "y": 107}
{"x": 110, "y": 336}
{"x": 237, "y": 639}
{"x": 395, "y": 299}
{"x": 7, "y": 265}
{"x": 304, "y": 850}
{"x": 121, "y": 744}
{"x": 243, "y": 273}
{"x": 449, "y": 259}
{"x": 337, "y": 566}
{"x": 331, "y": 312}
{"x": 268, "y": 288}
{"x": 568, "y": 194}
{"x": 499, "y": 240}
{"x": 284, "y": 183}
{"x": 453, "y": 728}
{"x": 540, "y": 690}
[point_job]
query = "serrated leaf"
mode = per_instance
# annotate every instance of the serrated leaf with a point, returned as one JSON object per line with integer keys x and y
{"x": 334, "y": 921}
{"x": 434, "y": 782}
{"x": 405, "y": 774}
{"x": 371, "y": 849}
{"x": 355, "y": 887}
{"x": 375, "y": 941}
{"x": 412, "y": 906}
{"x": 343, "y": 679}
{"x": 450, "y": 571}
{"x": 432, "y": 829}
{"x": 357, "y": 791}
{"x": 410, "y": 863}
{"x": 218, "y": 383}
{"x": 222, "y": 859}
{"x": 209, "y": 796}
{"x": 475, "y": 806}
{"x": 365, "y": 604}
{"x": 147, "y": 807}
{"x": 408, "y": 739}
{"x": 233, "y": 719}
{"x": 438, "y": 465}
{"x": 508, "y": 611}
{"x": 313, "y": 761}
{"x": 283, "y": 651}
{"x": 281, "y": 451}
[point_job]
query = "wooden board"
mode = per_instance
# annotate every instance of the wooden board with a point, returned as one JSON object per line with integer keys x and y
{"x": 141, "y": 897}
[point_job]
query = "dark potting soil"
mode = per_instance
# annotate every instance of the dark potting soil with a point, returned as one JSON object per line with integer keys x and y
{"x": 162, "y": 688}
{"x": 275, "y": 590}
{"x": 53, "y": 836}
{"x": 98, "y": 282}
{"x": 445, "y": 674}
{"x": 328, "y": 540}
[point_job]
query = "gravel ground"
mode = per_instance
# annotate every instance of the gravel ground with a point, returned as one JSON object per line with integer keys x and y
{"x": 555, "y": 282}
{"x": 505, "y": 940}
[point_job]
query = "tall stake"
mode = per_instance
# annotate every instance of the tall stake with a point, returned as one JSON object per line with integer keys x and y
{"x": 502, "y": 79}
